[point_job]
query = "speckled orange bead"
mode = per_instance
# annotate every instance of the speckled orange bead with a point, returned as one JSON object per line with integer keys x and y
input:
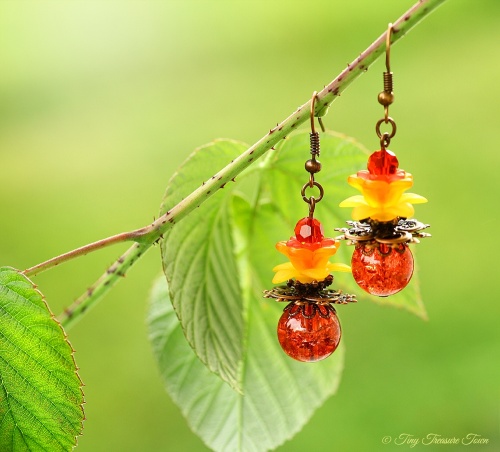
{"x": 382, "y": 270}
{"x": 309, "y": 332}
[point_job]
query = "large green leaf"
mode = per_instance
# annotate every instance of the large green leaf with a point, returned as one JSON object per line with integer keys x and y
{"x": 203, "y": 280}
{"x": 40, "y": 391}
{"x": 279, "y": 394}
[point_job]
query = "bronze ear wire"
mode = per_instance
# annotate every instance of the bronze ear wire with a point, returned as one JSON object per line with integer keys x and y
{"x": 313, "y": 166}
{"x": 386, "y": 97}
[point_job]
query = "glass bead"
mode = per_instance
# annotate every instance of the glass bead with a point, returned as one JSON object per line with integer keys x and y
{"x": 309, "y": 332}
{"x": 382, "y": 270}
{"x": 383, "y": 163}
{"x": 309, "y": 230}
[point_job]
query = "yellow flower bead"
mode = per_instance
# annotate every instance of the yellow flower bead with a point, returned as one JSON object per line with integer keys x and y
{"x": 382, "y": 200}
{"x": 307, "y": 265}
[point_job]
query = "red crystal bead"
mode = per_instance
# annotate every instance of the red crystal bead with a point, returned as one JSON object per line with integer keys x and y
{"x": 383, "y": 163}
{"x": 382, "y": 270}
{"x": 309, "y": 332}
{"x": 309, "y": 230}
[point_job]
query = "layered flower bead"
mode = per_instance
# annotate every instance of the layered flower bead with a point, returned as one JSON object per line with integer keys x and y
{"x": 382, "y": 263}
{"x": 382, "y": 187}
{"x": 309, "y": 253}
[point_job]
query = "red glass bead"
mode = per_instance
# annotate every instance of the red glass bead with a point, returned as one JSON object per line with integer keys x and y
{"x": 383, "y": 270}
{"x": 309, "y": 230}
{"x": 383, "y": 163}
{"x": 309, "y": 332}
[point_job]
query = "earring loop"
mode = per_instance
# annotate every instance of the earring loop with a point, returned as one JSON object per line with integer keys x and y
{"x": 313, "y": 105}
{"x": 388, "y": 48}
{"x": 386, "y": 97}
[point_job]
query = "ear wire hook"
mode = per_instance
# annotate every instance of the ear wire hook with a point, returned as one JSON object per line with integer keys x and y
{"x": 313, "y": 108}
{"x": 388, "y": 84}
{"x": 388, "y": 48}
{"x": 313, "y": 165}
{"x": 386, "y": 97}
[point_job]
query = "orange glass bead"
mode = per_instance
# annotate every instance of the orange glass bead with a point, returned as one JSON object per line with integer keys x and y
{"x": 309, "y": 332}
{"x": 309, "y": 230}
{"x": 383, "y": 163}
{"x": 382, "y": 270}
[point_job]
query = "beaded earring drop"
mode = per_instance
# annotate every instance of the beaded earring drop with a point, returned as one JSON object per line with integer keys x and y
{"x": 382, "y": 263}
{"x": 309, "y": 329}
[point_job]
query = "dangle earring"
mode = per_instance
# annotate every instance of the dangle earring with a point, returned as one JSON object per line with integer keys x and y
{"x": 309, "y": 329}
{"x": 382, "y": 263}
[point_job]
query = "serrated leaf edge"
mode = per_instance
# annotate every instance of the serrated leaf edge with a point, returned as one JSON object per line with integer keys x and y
{"x": 65, "y": 337}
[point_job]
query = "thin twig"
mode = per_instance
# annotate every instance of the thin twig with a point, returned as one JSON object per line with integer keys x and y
{"x": 94, "y": 293}
{"x": 82, "y": 251}
{"x": 302, "y": 114}
{"x": 148, "y": 235}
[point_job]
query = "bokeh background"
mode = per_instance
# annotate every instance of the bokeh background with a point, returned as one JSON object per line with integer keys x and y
{"x": 101, "y": 101}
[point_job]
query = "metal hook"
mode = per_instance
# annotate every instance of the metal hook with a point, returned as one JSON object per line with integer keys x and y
{"x": 386, "y": 97}
{"x": 388, "y": 48}
{"x": 313, "y": 104}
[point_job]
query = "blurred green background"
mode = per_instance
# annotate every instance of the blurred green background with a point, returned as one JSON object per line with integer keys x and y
{"x": 101, "y": 101}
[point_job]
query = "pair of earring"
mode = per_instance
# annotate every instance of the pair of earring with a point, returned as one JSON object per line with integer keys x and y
{"x": 382, "y": 263}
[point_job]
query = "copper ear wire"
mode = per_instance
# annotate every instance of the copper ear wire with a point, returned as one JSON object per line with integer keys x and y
{"x": 313, "y": 108}
{"x": 386, "y": 97}
{"x": 388, "y": 48}
{"x": 313, "y": 165}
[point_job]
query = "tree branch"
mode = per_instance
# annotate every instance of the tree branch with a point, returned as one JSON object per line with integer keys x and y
{"x": 94, "y": 293}
{"x": 325, "y": 97}
{"x": 148, "y": 235}
{"x": 82, "y": 251}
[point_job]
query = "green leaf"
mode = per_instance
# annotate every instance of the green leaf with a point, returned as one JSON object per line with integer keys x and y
{"x": 280, "y": 394}
{"x": 40, "y": 391}
{"x": 232, "y": 238}
{"x": 203, "y": 281}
